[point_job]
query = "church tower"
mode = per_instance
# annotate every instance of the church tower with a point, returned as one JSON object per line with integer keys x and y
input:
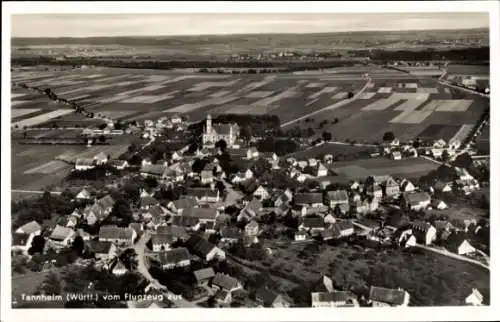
{"x": 209, "y": 124}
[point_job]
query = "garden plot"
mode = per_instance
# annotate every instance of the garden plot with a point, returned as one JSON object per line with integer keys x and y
{"x": 52, "y": 81}
{"x": 48, "y": 168}
{"x": 370, "y": 85}
{"x": 259, "y": 94}
{"x": 367, "y": 96}
{"x": 340, "y": 96}
{"x": 203, "y": 86}
{"x": 326, "y": 90}
{"x": 17, "y": 95}
{"x": 381, "y": 104}
{"x": 92, "y": 76}
{"x": 78, "y": 97}
{"x": 17, "y": 103}
{"x": 411, "y": 117}
{"x": 42, "y": 118}
{"x": 428, "y": 90}
{"x": 411, "y": 85}
{"x": 409, "y": 105}
{"x": 431, "y": 105}
{"x": 411, "y": 96}
{"x": 20, "y": 112}
{"x": 270, "y": 100}
{"x": 150, "y": 88}
{"x": 454, "y": 106}
{"x": 254, "y": 85}
{"x": 157, "y": 78}
{"x": 67, "y": 82}
{"x": 114, "y": 151}
{"x": 116, "y": 114}
{"x": 385, "y": 90}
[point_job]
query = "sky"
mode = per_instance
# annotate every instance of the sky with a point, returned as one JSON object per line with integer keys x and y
{"x": 94, "y": 25}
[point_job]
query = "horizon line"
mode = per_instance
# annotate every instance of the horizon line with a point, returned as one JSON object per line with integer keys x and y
{"x": 252, "y": 34}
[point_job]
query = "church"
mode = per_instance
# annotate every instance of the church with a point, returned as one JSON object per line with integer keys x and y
{"x": 216, "y": 132}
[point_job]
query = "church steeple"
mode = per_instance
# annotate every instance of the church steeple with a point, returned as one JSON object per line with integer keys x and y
{"x": 209, "y": 124}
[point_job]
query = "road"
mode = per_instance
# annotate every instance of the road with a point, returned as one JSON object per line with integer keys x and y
{"x": 36, "y": 191}
{"x": 453, "y": 255}
{"x": 330, "y": 107}
{"x": 142, "y": 268}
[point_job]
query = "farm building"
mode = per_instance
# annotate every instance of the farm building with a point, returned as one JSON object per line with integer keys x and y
{"x": 117, "y": 234}
{"x": 475, "y": 298}
{"x": 416, "y": 200}
{"x": 333, "y": 299}
{"x": 268, "y": 298}
{"x": 177, "y": 257}
{"x": 425, "y": 233}
{"x": 382, "y": 297}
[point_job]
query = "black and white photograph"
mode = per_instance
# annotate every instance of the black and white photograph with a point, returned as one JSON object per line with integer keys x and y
{"x": 264, "y": 161}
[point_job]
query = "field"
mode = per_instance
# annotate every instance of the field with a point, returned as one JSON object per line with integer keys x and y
{"x": 418, "y": 273}
{"x": 330, "y": 148}
{"x": 360, "y": 169}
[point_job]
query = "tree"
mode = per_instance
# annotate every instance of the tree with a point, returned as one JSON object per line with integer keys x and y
{"x": 350, "y": 95}
{"x": 445, "y": 156}
{"x": 102, "y": 138}
{"x": 151, "y": 182}
{"x": 221, "y": 144}
{"x": 37, "y": 245}
{"x": 129, "y": 259}
{"x": 327, "y": 136}
{"x": 388, "y": 136}
{"x": 121, "y": 209}
{"x": 51, "y": 285}
{"x": 78, "y": 245}
{"x": 463, "y": 160}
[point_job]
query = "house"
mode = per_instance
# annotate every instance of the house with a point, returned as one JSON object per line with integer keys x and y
{"x": 456, "y": 243}
{"x": 312, "y": 199}
{"x": 250, "y": 210}
{"x": 30, "y": 228}
{"x": 329, "y": 219}
{"x": 463, "y": 174}
{"x": 261, "y": 193}
{"x": 391, "y": 187}
{"x": 102, "y": 250}
{"x": 106, "y": 203}
{"x": 383, "y": 297}
{"x": 84, "y": 164}
{"x": 119, "y": 164}
{"x": 117, "y": 235}
{"x": 416, "y": 200}
{"x": 62, "y": 236}
{"x": 204, "y": 194}
{"x": 475, "y": 298}
{"x": 160, "y": 242}
{"x": 84, "y": 194}
{"x": 117, "y": 268}
{"x": 324, "y": 284}
{"x": 338, "y": 198}
{"x": 333, "y": 299}
{"x": 67, "y": 221}
{"x": 442, "y": 187}
{"x": 203, "y": 214}
{"x": 300, "y": 235}
{"x": 396, "y": 155}
{"x": 355, "y": 186}
{"x": 407, "y": 186}
{"x": 22, "y": 242}
{"x": 322, "y": 171}
{"x": 207, "y": 176}
{"x": 375, "y": 191}
{"x": 203, "y": 248}
{"x": 424, "y": 232}
{"x": 154, "y": 212}
{"x": 226, "y": 283}
{"x": 252, "y": 228}
{"x": 312, "y": 224}
{"x": 153, "y": 170}
{"x": 175, "y": 232}
{"x": 177, "y": 206}
{"x": 438, "y": 204}
{"x": 443, "y": 225}
{"x": 269, "y": 298}
{"x": 437, "y": 153}
{"x": 204, "y": 276}
{"x": 216, "y": 132}
{"x": 101, "y": 158}
{"x": 230, "y": 235}
{"x": 252, "y": 153}
{"x": 177, "y": 257}
{"x": 185, "y": 222}
{"x": 147, "y": 202}
{"x": 342, "y": 228}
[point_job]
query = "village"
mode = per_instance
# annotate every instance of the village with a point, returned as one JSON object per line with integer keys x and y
{"x": 182, "y": 222}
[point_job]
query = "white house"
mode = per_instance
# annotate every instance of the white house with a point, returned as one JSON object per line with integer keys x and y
{"x": 84, "y": 164}
{"x": 101, "y": 158}
{"x": 261, "y": 192}
{"x": 424, "y": 232}
{"x": 396, "y": 155}
{"x": 248, "y": 174}
{"x": 465, "y": 248}
{"x": 301, "y": 235}
{"x": 84, "y": 194}
{"x": 252, "y": 153}
{"x": 322, "y": 171}
{"x": 407, "y": 186}
{"x": 475, "y": 298}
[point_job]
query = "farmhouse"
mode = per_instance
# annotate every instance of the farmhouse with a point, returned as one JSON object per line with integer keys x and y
{"x": 204, "y": 194}
{"x": 119, "y": 164}
{"x": 84, "y": 164}
{"x": 261, "y": 193}
{"x": 117, "y": 234}
{"x": 425, "y": 233}
{"x": 333, "y": 299}
{"x": 177, "y": 206}
{"x": 185, "y": 222}
{"x": 153, "y": 170}
{"x": 442, "y": 187}
{"x": 407, "y": 186}
{"x": 101, "y": 158}
{"x": 312, "y": 223}
{"x": 22, "y": 242}
{"x": 252, "y": 228}
{"x": 382, "y": 297}
{"x": 175, "y": 232}
{"x": 269, "y": 298}
{"x": 203, "y": 248}
{"x": 62, "y": 236}
{"x": 203, "y": 214}
{"x": 84, "y": 194}
{"x": 160, "y": 242}
{"x": 475, "y": 298}
{"x": 416, "y": 200}
{"x": 32, "y": 227}
{"x": 312, "y": 199}
{"x": 204, "y": 276}
{"x": 225, "y": 283}
{"x": 102, "y": 250}
{"x": 396, "y": 155}
{"x": 338, "y": 198}
{"x": 251, "y": 209}
{"x": 230, "y": 234}
{"x": 214, "y": 133}
{"x": 391, "y": 187}
{"x": 342, "y": 229}
{"x": 177, "y": 257}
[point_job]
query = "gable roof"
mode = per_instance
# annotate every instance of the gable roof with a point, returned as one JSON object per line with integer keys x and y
{"x": 387, "y": 295}
{"x": 148, "y": 201}
{"x": 252, "y": 225}
{"x": 204, "y": 274}
{"x": 173, "y": 231}
{"x": 98, "y": 246}
{"x": 154, "y": 169}
{"x": 160, "y": 239}
{"x": 199, "y": 245}
{"x": 335, "y": 296}
{"x": 230, "y": 232}
{"x": 266, "y": 295}
{"x": 185, "y": 202}
{"x": 174, "y": 256}
{"x": 338, "y": 195}
{"x": 200, "y": 213}
{"x": 313, "y": 222}
{"x": 201, "y": 192}
{"x": 225, "y": 281}
{"x": 156, "y": 211}
{"x": 30, "y": 228}
{"x": 115, "y": 232}
{"x": 183, "y": 221}
{"x": 106, "y": 202}
{"x": 414, "y": 198}
{"x": 61, "y": 233}
{"x": 308, "y": 198}
{"x": 20, "y": 239}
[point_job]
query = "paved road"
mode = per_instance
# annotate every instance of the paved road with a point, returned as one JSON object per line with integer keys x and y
{"x": 330, "y": 107}
{"x": 36, "y": 191}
